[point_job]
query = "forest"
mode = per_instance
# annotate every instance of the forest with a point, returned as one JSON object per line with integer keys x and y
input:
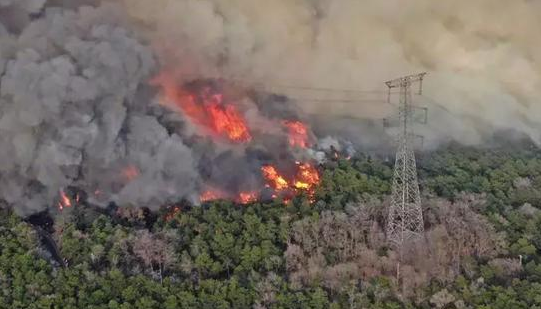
{"x": 481, "y": 248}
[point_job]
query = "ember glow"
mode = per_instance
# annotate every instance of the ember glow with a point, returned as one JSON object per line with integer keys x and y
{"x": 247, "y": 197}
{"x": 206, "y": 110}
{"x": 242, "y": 198}
{"x": 130, "y": 172}
{"x": 64, "y": 202}
{"x": 211, "y": 195}
{"x": 297, "y": 133}
{"x": 173, "y": 211}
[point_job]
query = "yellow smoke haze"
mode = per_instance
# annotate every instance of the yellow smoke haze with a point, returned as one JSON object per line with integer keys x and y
{"x": 483, "y": 57}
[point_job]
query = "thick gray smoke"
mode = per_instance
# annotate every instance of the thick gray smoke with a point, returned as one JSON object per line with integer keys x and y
{"x": 69, "y": 113}
{"x": 77, "y": 109}
{"x": 79, "y": 117}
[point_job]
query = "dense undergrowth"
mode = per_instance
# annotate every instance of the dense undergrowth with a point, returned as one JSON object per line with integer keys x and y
{"x": 482, "y": 247}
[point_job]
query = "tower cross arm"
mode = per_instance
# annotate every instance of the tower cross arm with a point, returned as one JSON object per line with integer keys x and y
{"x": 406, "y": 80}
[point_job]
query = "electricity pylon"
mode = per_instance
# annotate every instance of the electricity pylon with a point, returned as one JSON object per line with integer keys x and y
{"x": 405, "y": 219}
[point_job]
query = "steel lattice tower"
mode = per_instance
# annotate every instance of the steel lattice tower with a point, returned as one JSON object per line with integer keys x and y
{"x": 405, "y": 219}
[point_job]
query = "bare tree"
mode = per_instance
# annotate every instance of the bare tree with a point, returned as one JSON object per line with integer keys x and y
{"x": 153, "y": 250}
{"x": 337, "y": 247}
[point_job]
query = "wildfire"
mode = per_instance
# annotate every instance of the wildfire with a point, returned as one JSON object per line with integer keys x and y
{"x": 65, "y": 201}
{"x": 305, "y": 180}
{"x": 130, "y": 172}
{"x": 209, "y": 109}
{"x": 247, "y": 197}
{"x": 307, "y": 176}
{"x": 242, "y": 198}
{"x": 211, "y": 195}
{"x": 297, "y": 133}
{"x": 172, "y": 213}
{"x": 227, "y": 121}
{"x": 211, "y": 112}
{"x": 277, "y": 181}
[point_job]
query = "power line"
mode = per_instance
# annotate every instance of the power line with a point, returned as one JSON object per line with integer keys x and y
{"x": 334, "y": 100}
{"x": 272, "y": 84}
{"x": 435, "y": 103}
{"x": 322, "y": 89}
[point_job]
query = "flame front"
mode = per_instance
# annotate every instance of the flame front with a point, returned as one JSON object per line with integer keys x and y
{"x": 242, "y": 198}
{"x": 277, "y": 181}
{"x": 297, "y": 133}
{"x": 208, "y": 196}
{"x": 212, "y": 195}
{"x": 307, "y": 176}
{"x": 247, "y": 197}
{"x": 305, "y": 180}
{"x": 212, "y": 113}
{"x": 227, "y": 121}
{"x": 206, "y": 107}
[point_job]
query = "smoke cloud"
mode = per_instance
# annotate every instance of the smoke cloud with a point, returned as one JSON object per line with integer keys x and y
{"x": 70, "y": 115}
{"x": 483, "y": 62}
{"x": 77, "y": 108}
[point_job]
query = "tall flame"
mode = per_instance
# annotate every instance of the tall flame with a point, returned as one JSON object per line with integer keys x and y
{"x": 212, "y": 113}
{"x": 227, "y": 121}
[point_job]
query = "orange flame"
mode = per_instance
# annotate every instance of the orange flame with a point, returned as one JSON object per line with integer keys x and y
{"x": 223, "y": 119}
{"x": 307, "y": 176}
{"x": 130, "y": 172}
{"x": 247, "y": 197}
{"x": 297, "y": 133}
{"x": 306, "y": 179}
{"x": 277, "y": 181}
{"x": 172, "y": 213}
{"x": 227, "y": 121}
{"x": 64, "y": 201}
{"x": 211, "y": 195}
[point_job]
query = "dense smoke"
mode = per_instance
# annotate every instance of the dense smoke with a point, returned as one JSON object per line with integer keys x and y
{"x": 483, "y": 62}
{"x": 81, "y": 118}
{"x": 72, "y": 113}
{"x": 78, "y": 107}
